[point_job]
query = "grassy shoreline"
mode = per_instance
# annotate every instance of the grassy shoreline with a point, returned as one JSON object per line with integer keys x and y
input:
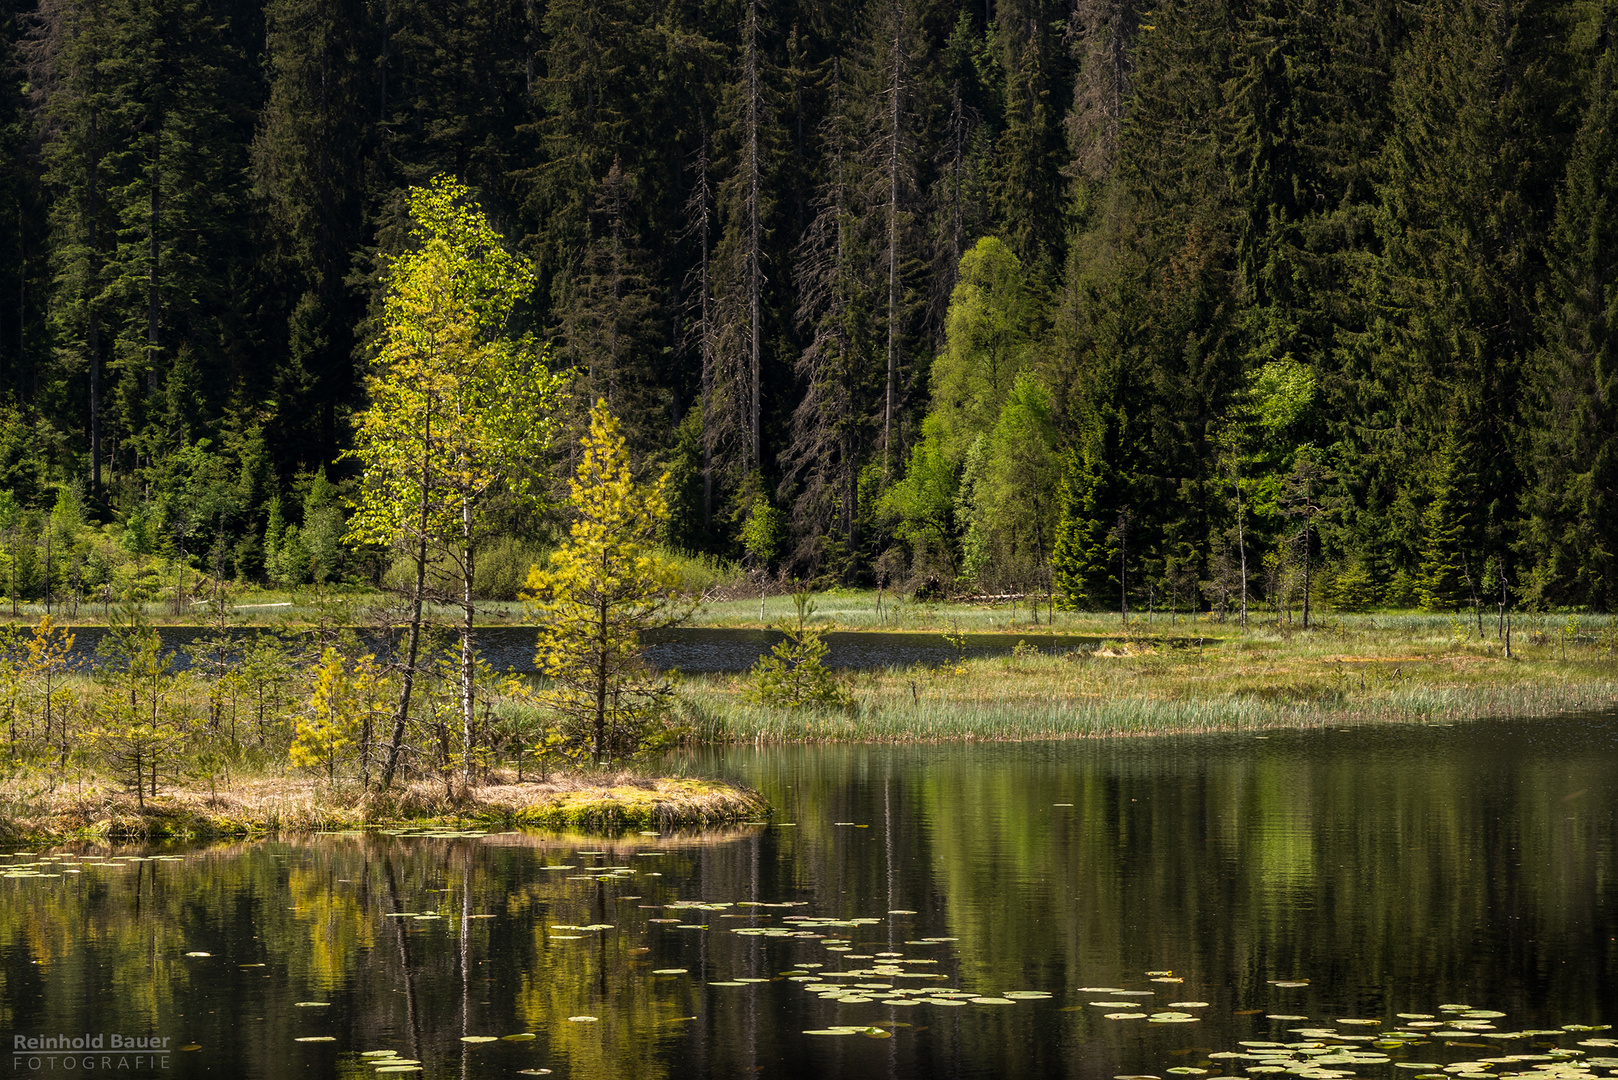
{"x": 1086, "y": 676}
{"x": 280, "y": 806}
{"x": 1134, "y": 686}
{"x": 844, "y": 609}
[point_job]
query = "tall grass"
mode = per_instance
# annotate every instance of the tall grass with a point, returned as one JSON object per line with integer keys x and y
{"x": 1127, "y": 687}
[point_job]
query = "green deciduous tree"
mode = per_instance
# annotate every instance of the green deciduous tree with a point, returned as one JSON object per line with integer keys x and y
{"x": 987, "y": 335}
{"x": 1014, "y": 501}
{"x": 461, "y": 411}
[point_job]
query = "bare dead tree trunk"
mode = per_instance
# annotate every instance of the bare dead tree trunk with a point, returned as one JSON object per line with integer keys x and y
{"x": 601, "y": 681}
{"x": 1241, "y": 547}
{"x": 755, "y": 276}
{"x": 153, "y": 223}
{"x": 895, "y": 92}
{"x": 1123, "y": 566}
{"x": 93, "y": 330}
{"x": 697, "y": 222}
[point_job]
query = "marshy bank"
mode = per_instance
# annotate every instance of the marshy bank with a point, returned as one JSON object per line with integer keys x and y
{"x": 80, "y": 724}
{"x": 33, "y": 812}
{"x": 1410, "y": 671}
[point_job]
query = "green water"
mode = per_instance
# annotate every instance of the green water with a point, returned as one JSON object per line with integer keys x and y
{"x": 1390, "y": 871}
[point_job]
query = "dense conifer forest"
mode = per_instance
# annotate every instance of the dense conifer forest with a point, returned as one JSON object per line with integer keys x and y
{"x": 1204, "y": 303}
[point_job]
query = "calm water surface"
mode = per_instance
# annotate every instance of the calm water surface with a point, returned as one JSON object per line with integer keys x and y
{"x": 1393, "y": 870}
{"x": 689, "y": 648}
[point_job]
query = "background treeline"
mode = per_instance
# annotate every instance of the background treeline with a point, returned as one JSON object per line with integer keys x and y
{"x": 1220, "y": 301}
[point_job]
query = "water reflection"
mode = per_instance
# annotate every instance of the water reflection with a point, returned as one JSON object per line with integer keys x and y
{"x": 1393, "y": 871}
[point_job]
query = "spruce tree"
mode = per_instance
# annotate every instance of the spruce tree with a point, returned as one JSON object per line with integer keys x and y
{"x": 1482, "y": 131}
{"x": 316, "y": 138}
{"x": 833, "y": 424}
{"x": 1573, "y": 530}
{"x": 612, "y": 326}
{"x": 1443, "y": 573}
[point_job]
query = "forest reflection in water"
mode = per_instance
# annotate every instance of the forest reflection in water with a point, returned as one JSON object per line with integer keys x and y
{"x": 1388, "y": 871}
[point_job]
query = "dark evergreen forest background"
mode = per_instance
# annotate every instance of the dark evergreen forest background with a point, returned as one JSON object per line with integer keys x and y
{"x": 1133, "y": 303}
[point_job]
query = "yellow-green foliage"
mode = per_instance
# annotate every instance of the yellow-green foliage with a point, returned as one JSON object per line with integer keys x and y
{"x": 457, "y": 406}
{"x": 139, "y": 721}
{"x": 346, "y": 704}
{"x": 598, "y": 592}
{"x": 461, "y": 411}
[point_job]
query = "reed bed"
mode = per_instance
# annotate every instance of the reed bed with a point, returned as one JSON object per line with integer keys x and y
{"x": 1135, "y": 687}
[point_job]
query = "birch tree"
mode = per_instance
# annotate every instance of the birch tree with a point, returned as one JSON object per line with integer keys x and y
{"x": 461, "y": 411}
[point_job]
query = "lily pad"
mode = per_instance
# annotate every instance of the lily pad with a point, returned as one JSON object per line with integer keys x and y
{"x": 583, "y": 1019}
{"x": 479, "y": 1038}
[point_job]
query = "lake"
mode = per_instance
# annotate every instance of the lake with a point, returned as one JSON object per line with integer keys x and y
{"x": 691, "y": 649}
{"x": 1166, "y": 907}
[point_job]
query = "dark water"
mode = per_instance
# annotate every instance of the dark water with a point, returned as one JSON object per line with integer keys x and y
{"x": 691, "y": 649}
{"x": 1396, "y": 870}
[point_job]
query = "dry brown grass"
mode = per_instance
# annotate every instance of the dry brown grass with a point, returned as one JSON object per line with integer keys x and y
{"x": 36, "y": 810}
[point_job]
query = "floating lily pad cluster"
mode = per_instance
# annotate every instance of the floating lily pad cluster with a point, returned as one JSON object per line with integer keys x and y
{"x": 891, "y": 980}
{"x": 19, "y": 865}
{"x": 1137, "y": 1009}
{"x": 1414, "y": 1043}
{"x": 389, "y": 1061}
